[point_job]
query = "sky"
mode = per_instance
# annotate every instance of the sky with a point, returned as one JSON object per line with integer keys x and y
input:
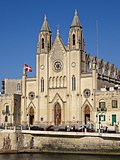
{"x": 21, "y": 21}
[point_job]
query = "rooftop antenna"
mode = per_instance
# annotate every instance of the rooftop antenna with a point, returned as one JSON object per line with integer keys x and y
{"x": 97, "y": 37}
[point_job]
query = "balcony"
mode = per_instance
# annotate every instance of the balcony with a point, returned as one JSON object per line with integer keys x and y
{"x": 102, "y": 109}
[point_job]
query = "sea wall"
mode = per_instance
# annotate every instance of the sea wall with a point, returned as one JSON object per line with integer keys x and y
{"x": 60, "y": 142}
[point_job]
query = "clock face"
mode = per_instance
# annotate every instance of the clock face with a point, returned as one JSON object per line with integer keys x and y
{"x": 73, "y": 64}
{"x": 86, "y": 93}
{"x": 57, "y": 65}
{"x": 42, "y": 67}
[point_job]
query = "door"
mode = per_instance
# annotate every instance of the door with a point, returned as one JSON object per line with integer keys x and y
{"x": 87, "y": 114}
{"x": 31, "y": 116}
{"x": 57, "y": 114}
{"x": 113, "y": 119}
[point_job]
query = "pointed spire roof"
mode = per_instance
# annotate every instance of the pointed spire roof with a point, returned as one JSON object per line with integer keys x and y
{"x": 58, "y": 30}
{"x": 76, "y": 21}
{"x": 45, "y": 26}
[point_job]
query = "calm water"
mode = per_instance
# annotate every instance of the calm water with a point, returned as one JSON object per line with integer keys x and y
{"x": 56, "y": 157}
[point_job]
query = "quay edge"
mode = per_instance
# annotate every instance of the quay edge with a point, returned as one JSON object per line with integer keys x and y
{"x": 59, "y": 142}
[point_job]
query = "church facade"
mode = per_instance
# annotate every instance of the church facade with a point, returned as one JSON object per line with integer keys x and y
{"x": 71, "y": 86}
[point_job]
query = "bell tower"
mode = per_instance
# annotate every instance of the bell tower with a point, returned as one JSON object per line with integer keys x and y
{"x": 45, "y": 37}
{"x": 76, "y": 39}
{"x": 75, "y": 57}
{"x": 42, "y": 71}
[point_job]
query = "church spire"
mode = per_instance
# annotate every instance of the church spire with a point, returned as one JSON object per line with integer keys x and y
{"x": 76, "y": 21}
{"x": 58, "y": 31}
{"x": 76, "y": 39}
{"x": 45, "y": 26}
{"x": 45, "y": 38}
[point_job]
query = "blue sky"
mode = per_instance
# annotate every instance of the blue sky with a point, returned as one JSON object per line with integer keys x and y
{"x": 21, "y": 21}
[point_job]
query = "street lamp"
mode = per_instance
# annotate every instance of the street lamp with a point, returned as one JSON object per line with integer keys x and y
{"x": 100, "y": 112}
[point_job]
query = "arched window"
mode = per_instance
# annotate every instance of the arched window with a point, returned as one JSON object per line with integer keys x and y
{"x": 50, "y": 82}
{"x": 42, "y": 85}
{"x": 54, "y": 82}
{"x": 42, "y": 43}
{"x": 61, "y": 81}
{"x": 88, "y": 66}
{"x": 18, "y": 87}
{"x": 57, "y": 82}
{"x": 6, "y": 118}
{"x": 73, "y": 39}
{"x": 102, "y": 105}
{"x": 73, "y": 83}
{"x": 7, "y": 109}
{"x": 64, "y": 81}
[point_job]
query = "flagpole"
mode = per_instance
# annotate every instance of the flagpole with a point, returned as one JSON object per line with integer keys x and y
{"x": 24, "y": 118}
{"x": 24, "y": 71}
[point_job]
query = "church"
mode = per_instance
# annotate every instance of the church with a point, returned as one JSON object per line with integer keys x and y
{"x": 70, "y": 86}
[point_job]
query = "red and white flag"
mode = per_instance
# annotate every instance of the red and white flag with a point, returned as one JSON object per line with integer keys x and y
{"x": 28, "y": 68}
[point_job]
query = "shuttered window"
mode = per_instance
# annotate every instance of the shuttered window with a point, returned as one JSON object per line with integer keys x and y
{"x": 114, "y": 104}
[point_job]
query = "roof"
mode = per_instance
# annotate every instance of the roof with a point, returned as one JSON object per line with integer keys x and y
{"x": 76, "y": 21}
{"x": 45, "y": 26}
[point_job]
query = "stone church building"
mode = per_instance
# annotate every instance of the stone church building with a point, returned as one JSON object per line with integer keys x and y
{"x": 70, "y": 86}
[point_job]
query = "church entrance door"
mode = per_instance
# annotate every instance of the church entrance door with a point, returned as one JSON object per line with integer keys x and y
{"x": 31, "y": 116}
{"x": 87, "y": 114}
{"x": 57, "y": 114}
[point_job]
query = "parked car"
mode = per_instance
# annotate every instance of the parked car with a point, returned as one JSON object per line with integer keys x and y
{"x": 70, "y": 128}
{"x": 52, "y": 128}
{"x": 90, "y": 127}
{"x": 90, "y": 130}
{"x": 36, "y": 127}
{"x": 2, "y": 127}
{"x": 111, "y": 129}
{"x": 80, "y": 128}
{"x": 62, "y": 128}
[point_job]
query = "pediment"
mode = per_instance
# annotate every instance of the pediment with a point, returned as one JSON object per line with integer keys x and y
{"x": 58, "y": 50}
{"x": 31, "y": 104}
{"x": 87, "y": 103}
{"x": 57, "y": 97}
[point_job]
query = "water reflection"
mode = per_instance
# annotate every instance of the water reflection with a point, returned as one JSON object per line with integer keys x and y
{"x": 51, "y": 156}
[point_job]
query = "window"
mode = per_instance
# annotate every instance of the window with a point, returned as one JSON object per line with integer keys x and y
{"x": 41, "y": 118}
{"x": 6, "y": 118}
{"x": 31, "y": 95}
{"x": 42, "y": 85}
{"x": 57, "y": 65}
{"x": 7, "y": 109}
{"x": 18, "y": 87}
{"x": 42, "y": 43}
{"x": 73, "y": 83}
{"x": 114, "y": 104}
{"x": 88, "y": 66}
{"x": 87, "y": 93}
{"x": 102, "y": 105}
{"x": 73, "y": 39}
{"x": 101, "y": 118}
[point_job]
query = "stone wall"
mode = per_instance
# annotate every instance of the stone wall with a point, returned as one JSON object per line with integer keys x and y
{"x": 60, "y": 142}
{"x": 8, "y": 142}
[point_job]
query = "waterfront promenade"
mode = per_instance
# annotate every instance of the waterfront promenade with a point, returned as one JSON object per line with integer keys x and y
{"x": 20, "y": 141}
